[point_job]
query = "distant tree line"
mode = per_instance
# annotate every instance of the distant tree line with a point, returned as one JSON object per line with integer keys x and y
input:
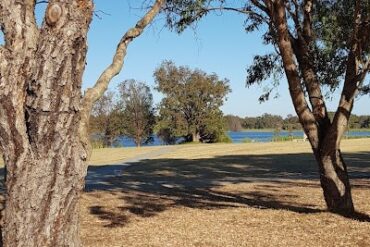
{"x": 266, "y": 121}
{"x": 189, "y": 111}
{"x": 290, "y": 122}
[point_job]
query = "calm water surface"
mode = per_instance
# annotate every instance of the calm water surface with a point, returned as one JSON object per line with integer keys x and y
{"x": 239, "y": 137}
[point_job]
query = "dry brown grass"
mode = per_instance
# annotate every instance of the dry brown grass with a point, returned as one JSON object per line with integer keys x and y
{"x": 263, "y": 194}
{"x": 104, "y": 156}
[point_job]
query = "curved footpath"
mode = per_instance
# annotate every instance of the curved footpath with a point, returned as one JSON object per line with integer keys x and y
{"x": 97, "y": 175}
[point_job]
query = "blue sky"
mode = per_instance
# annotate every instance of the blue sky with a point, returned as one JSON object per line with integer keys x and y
{"x": 219, "y": 44}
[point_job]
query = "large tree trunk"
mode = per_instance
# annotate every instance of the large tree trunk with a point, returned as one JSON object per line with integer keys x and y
{"x": 44, "y": 119}
{"x": 42, "y": 197}
{"x": 334, "y": 180}
{"x": 40, "y": 92}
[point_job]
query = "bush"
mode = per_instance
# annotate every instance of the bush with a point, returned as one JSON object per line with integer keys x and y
{"x": 167, "y": 136}
{"x": 225, "y": 138}
{"x": 247, "y": 140}
{"x": 285, "y": 138}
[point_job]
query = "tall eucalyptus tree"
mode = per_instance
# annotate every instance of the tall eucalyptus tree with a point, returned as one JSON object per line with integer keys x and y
{"x": 317, "y": 44}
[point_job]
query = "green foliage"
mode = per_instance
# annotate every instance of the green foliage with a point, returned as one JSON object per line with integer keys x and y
{"x": 247, "y": 140}
{"x": 97, "y": 143}
{"x": 167, "y": 136}
{"x": 285, "y": 138}
{"x": 269, "y": 121}
{"x": 213, "y": 129}
{"x": 233, "y": 123}
{"x": 182, "y": 13}
{"x": 266, "y": 121}
{"x": 136, "y": 106}
{"x": 224, "y": 138}
{"x": 132, "y": 115}
{"x": 263, "y": 68}
{"x": 332, "y": 25}
{"x": 359, "y": 122}
{"x": 105, "y": 121}
{"x": 191, "y": 104}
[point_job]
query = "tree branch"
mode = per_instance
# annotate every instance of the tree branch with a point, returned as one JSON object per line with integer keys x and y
{"x": 238, "y": 10}
{"x": 93, "y": 94}
{"x": 294, "y": 14}
{"x": 260, "y": 6}
{"x": 307, "y": 21}
{"x": 302, "y": 48}
{"x": 307, "y": 119}
{"x": 353, "y": 77}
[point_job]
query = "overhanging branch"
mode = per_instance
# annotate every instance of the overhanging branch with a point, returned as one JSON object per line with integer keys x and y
{"x": 353, "y": 77}
{"x": 238, "y": 10}
{"x": 101, "y": 85}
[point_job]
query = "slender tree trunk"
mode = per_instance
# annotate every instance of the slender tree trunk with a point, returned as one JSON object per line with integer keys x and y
{"x": 195, "y": 137}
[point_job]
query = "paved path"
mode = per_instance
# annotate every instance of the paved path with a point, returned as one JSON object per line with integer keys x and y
{"x": 97, "y": 175}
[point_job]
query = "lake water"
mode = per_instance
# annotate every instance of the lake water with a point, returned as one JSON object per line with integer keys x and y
{"x": 239, "y": 137}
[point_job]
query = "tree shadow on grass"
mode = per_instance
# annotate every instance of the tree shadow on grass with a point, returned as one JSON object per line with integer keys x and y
{"x": 149, "y": 187}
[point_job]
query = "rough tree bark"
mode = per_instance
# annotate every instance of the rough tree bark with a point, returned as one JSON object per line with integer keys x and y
{"x": 44, "y": 118}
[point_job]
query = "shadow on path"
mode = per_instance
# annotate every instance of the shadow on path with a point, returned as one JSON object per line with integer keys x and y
{"x": 150, "y": 186}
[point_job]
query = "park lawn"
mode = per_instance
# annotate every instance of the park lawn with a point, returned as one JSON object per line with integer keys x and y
{"x": 104, "y": 156}
{"x": 254, "y": 194}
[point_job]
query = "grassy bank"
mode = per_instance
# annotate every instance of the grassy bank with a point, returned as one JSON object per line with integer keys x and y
{"x": 104, "y": 156}
{"x": 272, "y": 130}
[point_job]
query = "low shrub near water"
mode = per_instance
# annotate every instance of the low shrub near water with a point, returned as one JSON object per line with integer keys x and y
{"x": 247, "y": 140}
{"x": 285, "y": 138}
{"x": 355, "y": 137}
{"x": 224, "y": 138}
{"x": 97, "y": 144}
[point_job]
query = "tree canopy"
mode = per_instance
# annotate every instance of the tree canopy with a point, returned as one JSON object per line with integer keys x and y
{"x": 105, "y": 121}
{"x": 191, "y": 104}
{"x": 136, "y": 105}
